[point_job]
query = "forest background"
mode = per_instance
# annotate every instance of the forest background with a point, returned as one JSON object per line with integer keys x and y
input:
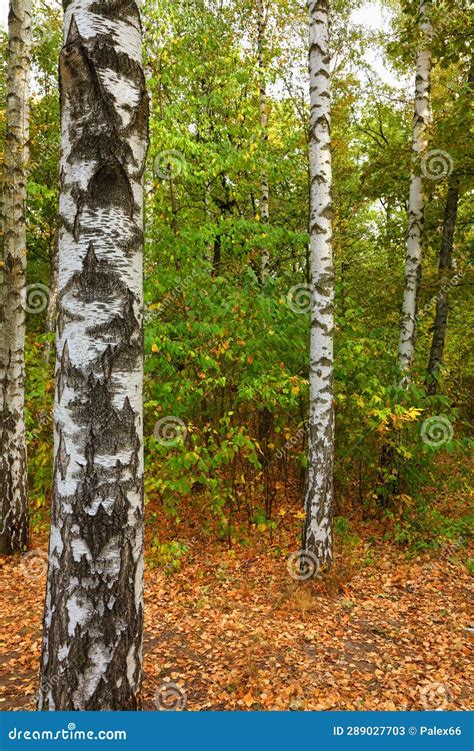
{"x": 226, "y": 357}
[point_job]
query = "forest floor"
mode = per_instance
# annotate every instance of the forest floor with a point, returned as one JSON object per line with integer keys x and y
{"x": 231, "y": 630}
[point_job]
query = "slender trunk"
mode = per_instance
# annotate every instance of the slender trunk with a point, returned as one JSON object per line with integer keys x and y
{"x": 169, "y": 167}
{"x": 416, "y": 202}
{"x": 388, "y": 235}
{"x": 94, "y": 603}
{"x": 264, "y": 416}
{"x": 317, "y": 533}
{"x": 14, "y": 522}
{"x": 209, "y": 245}
{"x": 264, "y": 428}
{"x": 264, "y": 183}
{"x": 445, "y": 265}
{"x": 53, "y": 295}
{"x": 216, "y": 257}
{"x": 388, "y": 480}
{"x": 174, "y": 204}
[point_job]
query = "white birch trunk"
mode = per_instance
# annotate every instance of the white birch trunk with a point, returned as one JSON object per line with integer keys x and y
{"x": 317, "y": 533}
{"x": 416, "y": 202}
{"x": 14, "y": 522}
{"x": 94, "y": 605}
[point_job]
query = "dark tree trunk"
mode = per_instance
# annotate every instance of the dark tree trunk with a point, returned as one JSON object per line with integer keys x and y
{"x": 262, "y": 12}
{"x": 445, "y": 265}
{"x": 174, "y": 204}
{"x": 53, "y": 295}
{"x": 94, "y": 604}
{"x": 388, "y": 481}
{"x": 216, "y": 258}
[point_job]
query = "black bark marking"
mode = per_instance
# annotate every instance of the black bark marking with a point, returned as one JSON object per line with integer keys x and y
{"x": 110, "y": 186}
{"x": 116, "y": 9}
{"x": 62, "y": 457}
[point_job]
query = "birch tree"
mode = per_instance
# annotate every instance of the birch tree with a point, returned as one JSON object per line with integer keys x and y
{"x": 317, "y": 532}
{"x": 416, "y": 201}
{"x": 14, "y": 522}
{"x": 93, "y": 620}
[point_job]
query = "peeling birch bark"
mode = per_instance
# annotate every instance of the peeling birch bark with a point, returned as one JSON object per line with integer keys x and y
{"x": 14, "y": 520}
{"x": 93, "y": 622}
{"x": 317, "y": 532}
{"x": 416, "y": 201}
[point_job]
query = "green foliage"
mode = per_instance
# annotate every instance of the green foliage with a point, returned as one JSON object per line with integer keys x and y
{"x": 39, "y": 430}
{"x": 225, "y": 356}
{"x": 430, "y": 529}
{"x": 167, "y": 555}
{"x": 342, "y": 530}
